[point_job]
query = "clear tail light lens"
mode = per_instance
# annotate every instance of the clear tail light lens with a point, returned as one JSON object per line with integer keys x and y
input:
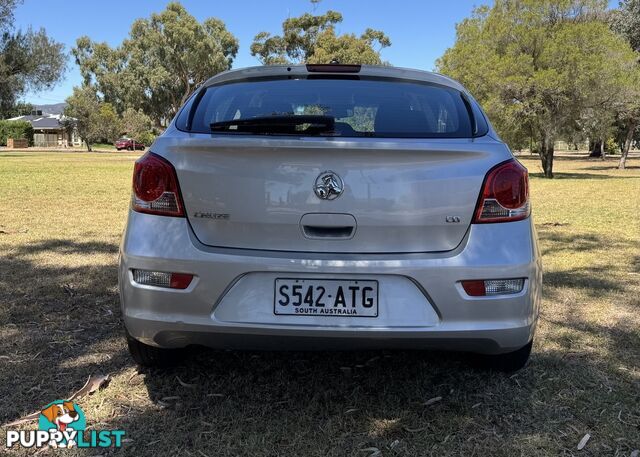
{"x": 162, "y": 279}
{"x": 505, "y": 194}
{"x": 155, "y": 187}
{"x": 490, "y": 287}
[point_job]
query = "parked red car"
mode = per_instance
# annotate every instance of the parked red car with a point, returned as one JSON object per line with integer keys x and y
{"x": 128, "y": 144}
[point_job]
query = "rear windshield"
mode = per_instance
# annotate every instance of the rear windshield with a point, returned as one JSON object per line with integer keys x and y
{"x": 373, "y": 108}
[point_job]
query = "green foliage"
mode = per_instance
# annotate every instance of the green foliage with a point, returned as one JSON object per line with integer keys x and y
{"x": 362, "y": 119}
{"x": 94, "y": 119}
{"x": 611, "y": 146}
{"x": 97, "y": 121}
{"x": 28, "y": 60}
{"x": 312, "y": 39}
{"x": 542, "y": 69}
{"x": 137, "y": 125}
{"x": 161, "y": 62}
{"x": 15, "y": 129}
{"x": 19, "y": 109}
{"x": 6, "y": 13}
{"x": 106, "y": 124}
{"x": 626, "y": 21}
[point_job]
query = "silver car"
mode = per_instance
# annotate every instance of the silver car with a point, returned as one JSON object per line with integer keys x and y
{"x": 330, "y": 207}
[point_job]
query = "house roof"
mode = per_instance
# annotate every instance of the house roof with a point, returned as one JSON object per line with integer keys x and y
{"x": 42, "y": 122}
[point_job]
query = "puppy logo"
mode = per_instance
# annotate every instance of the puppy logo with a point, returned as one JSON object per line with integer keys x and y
{"x": 62, "y": 419}
{"x": 62, "y": 424}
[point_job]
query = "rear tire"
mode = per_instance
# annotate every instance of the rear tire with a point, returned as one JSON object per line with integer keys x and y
{"x": 507, "y": 363}
{"x": 151, "y": 356}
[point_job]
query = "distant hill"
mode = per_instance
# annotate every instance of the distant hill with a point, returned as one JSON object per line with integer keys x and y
{"x": 53, "y": 108}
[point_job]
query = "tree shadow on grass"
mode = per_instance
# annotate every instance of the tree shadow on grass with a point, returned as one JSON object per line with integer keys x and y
{"x": 58, "y": 323}
{"x": 554, "y": 241}
{"x": 597, "y": 280}
{"x": 612, "y": 166}
{"x": 430, "y": 403}
{"x": 564, "y": 175}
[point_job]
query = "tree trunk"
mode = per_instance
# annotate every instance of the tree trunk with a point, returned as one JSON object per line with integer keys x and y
{"x": 546, "y": 155}
{"x": 627, "y": 145}
{"x": 603, "y": 155}
{"x": 88, "y": 146}
{"x": 595, "y": 148}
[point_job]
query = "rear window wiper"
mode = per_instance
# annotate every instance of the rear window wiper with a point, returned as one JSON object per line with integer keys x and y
{"x": 280, "y": 123}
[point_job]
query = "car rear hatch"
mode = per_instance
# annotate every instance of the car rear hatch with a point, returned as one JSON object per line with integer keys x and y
{"x": 382, "y": 183}
{"x": 397, "y": 197}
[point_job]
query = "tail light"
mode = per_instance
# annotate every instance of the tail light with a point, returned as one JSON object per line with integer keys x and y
{"x": 489, "y": 287}
{"x": 155, "y": 187}
{"x": 505, "y": 194}
{"x": 162, "y": 279}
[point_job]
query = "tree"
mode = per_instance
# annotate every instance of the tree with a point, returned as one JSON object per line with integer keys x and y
{"x": 312, "y": 39}
{"x": 29, "y": 61}
{"x": 105, "y": 123}
{"x": 15, "y": 129}
{"x": 138, "y": 126}
{"x": 6, "y": 13}
{"x": 94, "y": 119}
{"x": 19, "y": 109}
{"x": 159, "y": 65}
{"x": 539, "y": 67}
{"x": 626, "y": 22}
{"x": 81, "y": 106}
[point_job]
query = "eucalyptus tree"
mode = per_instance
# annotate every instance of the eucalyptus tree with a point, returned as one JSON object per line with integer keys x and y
{"x": 80, "y": 113}
{"x": 93, "y": 119}
{"x": 165, "y": 57}
{"x": 540, "y": 68}
{"x": 137, "y": 125}
{"x": 29, "y": 60}
{"x": 626, "y": 21}
{"x": 311, "y": 38}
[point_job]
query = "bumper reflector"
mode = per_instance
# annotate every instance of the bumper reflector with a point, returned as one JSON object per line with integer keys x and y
{"x": 490, "y": 287}
{"x": 162, "y": 279}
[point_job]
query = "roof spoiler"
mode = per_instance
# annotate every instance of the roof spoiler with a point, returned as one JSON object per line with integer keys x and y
{"x": 333, "y": 68}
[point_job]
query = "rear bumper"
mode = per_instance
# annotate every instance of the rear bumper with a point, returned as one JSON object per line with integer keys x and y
{"x": 230, "y": 302}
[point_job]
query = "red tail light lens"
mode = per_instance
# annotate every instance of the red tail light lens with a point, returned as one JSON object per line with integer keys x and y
{"x": 505, "y": 194}
{"x": 155, "y": 187}
{"x": 474, "y": 288}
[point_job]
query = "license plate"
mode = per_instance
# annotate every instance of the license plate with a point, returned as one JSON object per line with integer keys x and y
{"x": 326, "y": 297}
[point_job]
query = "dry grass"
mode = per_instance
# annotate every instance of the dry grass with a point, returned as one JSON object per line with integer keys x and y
{"x": 61, "y": 216}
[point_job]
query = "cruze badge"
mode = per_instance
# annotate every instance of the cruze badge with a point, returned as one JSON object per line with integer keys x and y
{"x": 328, "y": 186}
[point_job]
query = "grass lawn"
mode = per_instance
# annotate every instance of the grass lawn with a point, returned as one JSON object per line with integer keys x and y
{"x": 61, "y": 217}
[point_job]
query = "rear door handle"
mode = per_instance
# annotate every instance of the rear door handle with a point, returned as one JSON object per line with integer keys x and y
{"x": 312, "y": 231}
{"x": 327, "y": 226}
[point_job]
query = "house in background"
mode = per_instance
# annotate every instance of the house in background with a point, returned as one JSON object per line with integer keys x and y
{"x": 48, "y": 130}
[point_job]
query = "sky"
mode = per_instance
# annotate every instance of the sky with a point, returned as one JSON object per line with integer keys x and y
{"x": 420, "y": 30}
